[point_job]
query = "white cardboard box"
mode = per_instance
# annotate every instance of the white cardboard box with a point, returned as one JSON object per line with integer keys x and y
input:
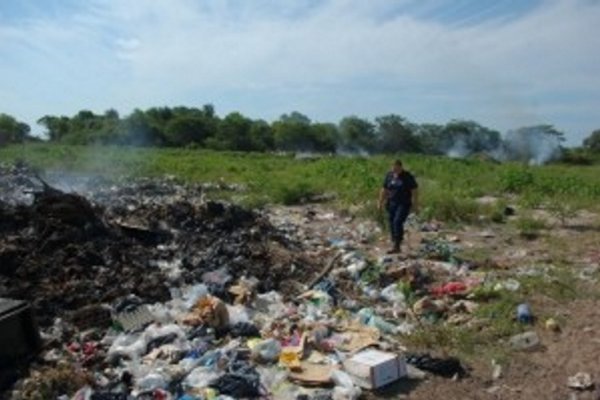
{"x": 372, "y": 369}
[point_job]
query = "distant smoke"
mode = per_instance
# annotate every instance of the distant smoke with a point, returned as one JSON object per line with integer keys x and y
{"x": 459, "y": 149}
{"x": 535, "y": 145}
{"x": 532, "y": 145}
{"x": 354, "y": 152}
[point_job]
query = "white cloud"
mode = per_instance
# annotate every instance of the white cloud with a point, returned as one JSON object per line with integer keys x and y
{"x": 327, "y": 59}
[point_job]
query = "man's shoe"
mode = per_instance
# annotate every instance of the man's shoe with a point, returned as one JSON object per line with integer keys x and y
{"x": 394, "y": 250}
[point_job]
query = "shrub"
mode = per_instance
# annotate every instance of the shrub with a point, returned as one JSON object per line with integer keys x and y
{"x": 450, "y": 207}
{"x": 293, "y": 193}
{"x": 530, "y": 227}
{"x": 516, "y": 180}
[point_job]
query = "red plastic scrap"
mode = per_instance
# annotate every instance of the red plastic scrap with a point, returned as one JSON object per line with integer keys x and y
{"x": 449, "y": 289}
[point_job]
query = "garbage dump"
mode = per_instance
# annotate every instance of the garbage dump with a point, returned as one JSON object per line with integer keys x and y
{"x": 147, "y": 290}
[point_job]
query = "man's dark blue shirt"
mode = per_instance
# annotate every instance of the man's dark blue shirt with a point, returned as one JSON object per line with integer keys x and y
{"x": 400, "y": 188}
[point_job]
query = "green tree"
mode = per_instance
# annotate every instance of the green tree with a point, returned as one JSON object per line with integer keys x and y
{"x": 185, "y": 130}
{"x": 56, "y": 127}
{"x": 12, "y": 131}
{"x": 233, "y": 133}
{"x": 261, "y": 136}
{"x": 430, "y": 137}
{"x": 592, "y": 142}
{"x": 292, "y": 133}
{"x": 324, "y": 136}
{"x": 396, "y": 134}
{"x": 468, "y": 137}
{"x": 357, "y": 134}
{"x": 137, "y": 130}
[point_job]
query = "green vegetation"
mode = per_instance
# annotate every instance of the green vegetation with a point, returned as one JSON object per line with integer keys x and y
{"x": 449, "y": 187}
{"x": 13, "y": 131}
{"x": 592, "y": 142}
{"x": 530, "y": 228}
{"x": 387, "y": 134}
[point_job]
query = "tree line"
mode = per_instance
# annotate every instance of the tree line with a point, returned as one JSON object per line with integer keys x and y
{"x": 203, "y": 128}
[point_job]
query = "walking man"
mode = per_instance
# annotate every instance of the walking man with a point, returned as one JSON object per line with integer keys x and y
{"x": 399, "y": 195}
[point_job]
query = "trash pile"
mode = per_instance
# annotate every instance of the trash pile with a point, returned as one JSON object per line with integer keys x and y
{"x": 146, "y": 290}
{"x": 62, "y": 252}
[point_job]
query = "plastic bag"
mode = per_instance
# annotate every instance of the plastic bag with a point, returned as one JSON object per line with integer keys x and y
{"x": 270, "y": 303}
{"x": 217, "y": 277}
{"x": 154, "y": 332}
{"x": 192, "y": 294}
{"x": 392, "y": 294}
{"x": 152, "y": 381}
{"x": 244, "y": 329}
{"x": 341, "y": 378}
{"x": 367, "y": 316}
{"x": 200, "y": 378}
{"x": 344, "y": 393}
{"x": 267, "y": 350}
{"x": 129, "y": 346}
{"x": 356, "y": 268}
{"x": 238, "y": 314}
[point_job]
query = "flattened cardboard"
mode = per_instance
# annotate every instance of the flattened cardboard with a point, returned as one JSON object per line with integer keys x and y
{"x": 312, "y": 374}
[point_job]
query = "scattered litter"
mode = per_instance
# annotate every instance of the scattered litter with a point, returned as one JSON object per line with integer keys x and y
{"x": 372, "y": 369}
{"x": 524, "y": 314}
{"x": 512, "y": 285}
{"x": 166, "y": 296}
{"x": 134, "y": 320}
{"x": 552, "y": 325}
{"x": 525, "y": 341}
{"x": 580, "y": 381}
{"x": 447, "y": 367}
{"x": 496, "y": 370}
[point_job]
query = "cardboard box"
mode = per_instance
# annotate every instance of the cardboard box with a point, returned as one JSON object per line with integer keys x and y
{"x": 372, "y": 369}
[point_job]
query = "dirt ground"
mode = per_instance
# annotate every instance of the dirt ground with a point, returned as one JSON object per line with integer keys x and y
{"x": 538, "y": 374}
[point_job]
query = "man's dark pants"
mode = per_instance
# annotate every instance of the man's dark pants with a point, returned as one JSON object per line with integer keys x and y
{"x": 397, "y": 214}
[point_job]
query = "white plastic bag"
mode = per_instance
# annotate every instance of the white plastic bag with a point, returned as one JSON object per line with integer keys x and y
{"x": 237, "y": 314}
{"x": 192, "y": 293}
{"x": 129, "y": 346}
{"x": 267, "y": 350}
{"x": 344, "y": 386}
{"x": 200, "y": 378}
{"x": 152, "y": 381}
{"x": 392, "y": 294}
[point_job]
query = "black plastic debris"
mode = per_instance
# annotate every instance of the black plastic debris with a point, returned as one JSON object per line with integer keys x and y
{"x": 446, "y": 367}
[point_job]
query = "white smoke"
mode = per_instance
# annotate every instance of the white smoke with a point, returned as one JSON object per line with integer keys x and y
{"x": 459, "y": 149}
{"x": 352, "y": 152}
{"x": 535, "y": 145}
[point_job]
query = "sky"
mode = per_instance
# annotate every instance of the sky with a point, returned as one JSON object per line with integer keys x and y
{"x": 502, "y": 63}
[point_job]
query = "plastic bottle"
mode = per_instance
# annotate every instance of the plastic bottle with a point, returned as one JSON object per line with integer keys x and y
{"x": 524, "y": 314}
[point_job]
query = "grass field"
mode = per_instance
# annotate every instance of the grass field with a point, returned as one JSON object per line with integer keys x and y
{"x": 449, "y": 187}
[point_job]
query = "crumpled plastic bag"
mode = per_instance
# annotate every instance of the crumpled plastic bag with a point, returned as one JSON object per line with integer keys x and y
{"x": 193, "y": 293}
{"x": 130, "y": 346}
{"x": 152, "y": 381}
{"x": 200, "y": 378}
{"x": 344, "y": 386}
{"x": 267, "y": 350}
{"x": 241, "y": 381}
{"x": 393, "y": 294}
{"x": 238, "y": 314}
{"x": 244, "y": 329}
